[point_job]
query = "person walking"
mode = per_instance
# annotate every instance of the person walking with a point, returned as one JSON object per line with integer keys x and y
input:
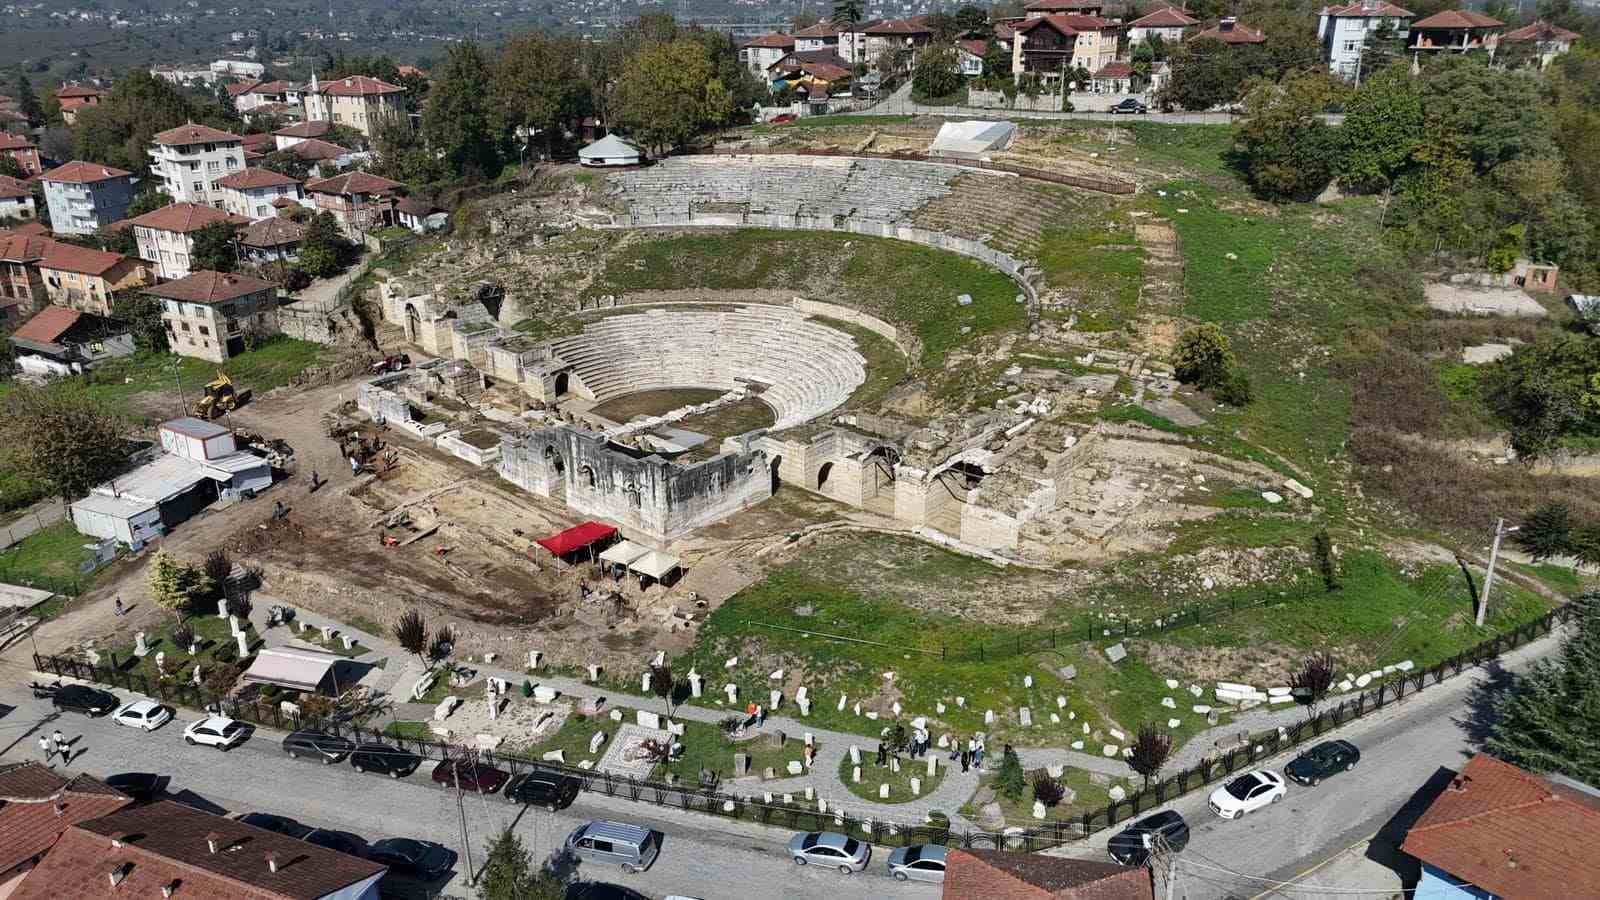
{"x": 883, "y": 753}
{"x": 48, "y": 748}
{"x": 977, "y": 757}
{"x": 966, "y": 759}
{"x": 118, "y": 607}
{"x": 60, "y": 742}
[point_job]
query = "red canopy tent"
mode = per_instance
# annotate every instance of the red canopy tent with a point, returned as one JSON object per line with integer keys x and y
{"x": 576, "y": 538}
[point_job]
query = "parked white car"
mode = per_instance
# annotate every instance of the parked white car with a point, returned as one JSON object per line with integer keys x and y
{"x": 146, "y": 714}
{"x": 215, "y": 731}
{"x": 1247, "y": 793}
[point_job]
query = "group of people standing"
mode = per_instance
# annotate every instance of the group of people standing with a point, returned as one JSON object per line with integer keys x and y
{"x": 970, "y": 753}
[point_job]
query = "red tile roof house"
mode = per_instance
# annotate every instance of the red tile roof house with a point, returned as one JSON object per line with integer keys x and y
{"x": 356, "y": 101}
{"x": 1230, "y": 32}
{"x": 288, "y": 136}
{"x": 1546, "y": 41}
{"x": 88, "y": 279}
{"x": 271, "y": 240}
{"x": 59, "y": 341}
{"x": 22, "y": 150}
{"x": 1166, "y": 23}
{"x": 999, "y": 875}
{"x": 83, "y": 196}
{"x": 207, "y": 314}
{"x": 1069, "y": 7}
{"x": 1456, "y": 31}
{"x": 190, "y": 158}
{"x": 760, "y": 53}
{"x": 899, "y": 35}
{"x": 22, "y": 291}
{"x": 167, "y": 849}
{"x": 1498, "y": 831}
{"x": 74, "y": 97}
{"x": 16, "y": 200}
{"x": 250, "y": 193}
{"x": 360, "y": 201}
{"x": 36, "y": 807}
{"x": 165, "y": 236}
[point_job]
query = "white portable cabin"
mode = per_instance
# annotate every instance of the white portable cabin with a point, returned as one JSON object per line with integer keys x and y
{"x": 195, "y": 439}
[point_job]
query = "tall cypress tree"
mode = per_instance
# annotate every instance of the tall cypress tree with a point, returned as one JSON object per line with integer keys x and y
{"x": 1549, "y": 720}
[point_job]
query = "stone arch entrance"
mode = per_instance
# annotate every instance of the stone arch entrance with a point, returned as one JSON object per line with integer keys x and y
{"x": 777, "y": 462}
{"x": 413, "y": 323}
{"x": 554, "y": 459}
{"x": 586, "y": 474}
{"x": 563, "y": 384}
{"x": 823, "y": 473}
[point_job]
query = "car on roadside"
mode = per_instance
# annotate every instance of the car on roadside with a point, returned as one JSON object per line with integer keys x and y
{"x": 146, "y": 715}
{"x": 277, "y": 824}
{"x": 1322, "y": 761}
{"x": 81, "y": 698}
{"x": 1134, "y": 844}
{"x": 469, "y": 775}
{"x": 547, "y": 789}
{"x": 1130, "y": 106}
{"x": 318, "y": 745}
{"x": 1247, "y": 793}
{"x": 830, "y": 848}
{"x": 923, "y": 862}
{"x": 342, "y": 841}
{"x": 419, "y": 859}
{"x": 385, "y": 760}
{"x": 216, "y": 731}
{"x": 141, "y": 786}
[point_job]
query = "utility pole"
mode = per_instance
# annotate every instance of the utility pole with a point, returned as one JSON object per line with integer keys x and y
{"x": 461, "y": 809}
{"x": 1163, "y": 863}
{"x": 1500, "y": 531}
{"x": 178, "y": 380}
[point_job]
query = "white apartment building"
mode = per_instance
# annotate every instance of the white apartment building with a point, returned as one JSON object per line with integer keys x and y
{"x": 190, "y": 159}
{"x": 251, "y": 193}
{"x": 1343, "y": 31}
{"x": 238, "y": 68}
{"x": 357, "y": 101}
{"x": 165, "y": 237}
{"x": 85, "y": 196}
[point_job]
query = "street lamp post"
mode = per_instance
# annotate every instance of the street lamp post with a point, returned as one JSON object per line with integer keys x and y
{"x": 1500, "y": 531}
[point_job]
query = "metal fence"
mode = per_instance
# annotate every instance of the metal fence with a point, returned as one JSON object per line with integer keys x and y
{"x": 881, "y": 831}
{"x": 1103, "y": 185}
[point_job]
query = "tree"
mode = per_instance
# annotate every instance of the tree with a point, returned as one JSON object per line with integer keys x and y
{"x": 218, "y": 566}
{"x": 1327, "y": 566}
{"x": 175, "y": 585}
{"x": 1549, "y": 718}
{"x": 661, "y": 97}
{"x": 1585, "y": 545}
{"x": 1012, "y": 780}
{"x": 1202, "y": 356}
{"x": 323, "y": 249}
{"x": 936, "y": 73}
{"x": 1495, "y": 116}
{"x": 538, "y": 85}
{"x": 662, "y": 684}
{"x": 142, "y": 314}
{"x": 183, "y": 637}
{"x": 1381, "y": 130}
{"x": 1282, "y": 144}
{"x": 1538, "y": 392}
{"x": 10, "y": 168}
{"x": 240, "y": 607}
{"x": 457, "y": 122}
{"x": 117, "y": 130}
{"x": 148, "y": 199}
{"x": 1546, "y": 532}
{"x": 401, "y": 152}
{"x": 214, "y": 249}
{"x": 1206, "y": 73}
{"x": 60, "y": 435}
{"x": 1151, "y": 747}
{"x": 411, "y": 633}
{"x": 1047, "y": 790}
{"x": 509, "y": 873}
{"x": 971, "y": 19}
{"x": 1313, "y": 679}
{"x": 28, "y": 101}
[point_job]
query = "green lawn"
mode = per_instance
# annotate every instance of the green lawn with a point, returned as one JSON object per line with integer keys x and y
{"x": 1100, "y": 269}
{"x": 51, "y": 559}
{"x": 886, "y": 365}
{"x": 1086, "y": 797}
{"x": 873, "y": 776}
{"x": 411, "y": 731}
{"x": 212, "y": 635}
{"x": 1559, "y": 578}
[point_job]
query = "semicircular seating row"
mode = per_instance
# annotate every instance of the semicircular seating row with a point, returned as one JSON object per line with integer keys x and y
{"x": 884, "y": 190}
{"x": 808, "y": 368}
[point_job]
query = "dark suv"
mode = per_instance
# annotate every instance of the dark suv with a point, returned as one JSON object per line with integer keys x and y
{"x": 1135, "y": 843}
{"x": 1325, "y": 759}
{"x": 317, "y": 745}
{"x": 385, "y": 760}
{"x": 545, "y": 789}
{"x": 82, "y": 699}
{"x": 1130, "y": 106}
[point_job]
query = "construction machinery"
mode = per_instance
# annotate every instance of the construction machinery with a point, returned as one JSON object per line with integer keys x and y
{"x": 219, "y": 397}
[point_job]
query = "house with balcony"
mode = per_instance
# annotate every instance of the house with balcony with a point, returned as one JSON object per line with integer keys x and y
{"x": 89, "y": 280}
{"x": 1053, "y": 46}
{"x": 58, "y": 341}
{"x": 1455, "y": 31}
{"x": 902, "y": 36}
{"x": 191, "y": 159}
{"x": 1064, "y": 8}
{"x": 19, "y": 148}
{"x": 1231, "y": 32}
{"x": 251, "y": 193}
{"x": 22, "y": 291}
{"x": 84, "y": 197}
{"x": 16, "y": 201}
{"x": 359, "y": 201}
{"x": 74, "y": 97}
{"x": 210, "y": 315}
{"x": 821, "y": 36}
{"x": 165, "y": 236}
{"x": 1540, "y": 43}
{"x": 1345, "y": 30}
{"x": 759, "y": 53}
{"x": 1167, "y": 23}
{"x": 357, "y": 101}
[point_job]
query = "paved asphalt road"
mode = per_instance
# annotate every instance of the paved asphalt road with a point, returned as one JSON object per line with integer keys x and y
{"x": 1404, "y": 748}
{"x": 701, "y": 857}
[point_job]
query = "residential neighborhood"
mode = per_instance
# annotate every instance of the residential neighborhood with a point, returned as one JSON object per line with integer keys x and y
{"x": 1037, "y": 449}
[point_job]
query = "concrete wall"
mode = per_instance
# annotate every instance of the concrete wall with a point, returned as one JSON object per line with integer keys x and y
{"x": 998, "y": 100}
{"x": 846, "y": 314}
{"x": 451, "y": 443}
{"x": 321, "y": 323}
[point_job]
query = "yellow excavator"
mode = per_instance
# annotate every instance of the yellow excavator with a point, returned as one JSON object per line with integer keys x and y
{"x": 219, "y": 397}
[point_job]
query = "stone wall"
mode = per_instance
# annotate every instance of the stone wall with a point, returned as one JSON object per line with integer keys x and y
{"x": 321, "y": 323}
{"x": 998, "y": 100}
{"x": 451, "y": 443}
{"x": 846, "y": 314}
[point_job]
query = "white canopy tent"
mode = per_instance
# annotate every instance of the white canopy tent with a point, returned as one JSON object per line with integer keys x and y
{"x": 623, "y": 553}
{"x": 294, "y": 668}
{"x": 655, "y": 564}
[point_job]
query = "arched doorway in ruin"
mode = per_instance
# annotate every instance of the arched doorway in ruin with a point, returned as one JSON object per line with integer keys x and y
{"x": 777, "y": 462}
{"x": 553, "y": 458}
{"x": 413, "y": 323}
{"x": 823, "y": 473}
{"x": 563, "y": 384}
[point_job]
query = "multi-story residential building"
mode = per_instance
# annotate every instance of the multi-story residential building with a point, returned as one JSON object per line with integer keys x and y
{"x": 209, "y": 315}
{"x": 357, "y": 101}
{"x": 289, "y": 135}
{"x": 360, "y": 201}
{"x": 191, "y": 159}
{"x": 74, "y": 97}
{"x": 821, "y": 36}
{"x": 1064, "y": 8}
{"x": 896, "y": 35}
{"x": 759, "y": 53}
{"x": 83, "y": 197}
{"x": 249, "y": 95}
{"x": 1230, "y": 32}
{"x": 1167, "y": 23}
{"x": 89, "y": 280}
{"x": 1541, "y": 41}
{"x": 1455, "y": 31}
{"x": 1344, "y": 30}
{"x": 237, "y": 68}
{"x": 250, "y": 193}
{"x": 165, "y": 237}
{"x": 1053, "y": 46}
{"x": 22, "y": 289}
{"x": 23, "y": 151}
{"x": 185, "y": 75}
{"x": 16, "y": 201}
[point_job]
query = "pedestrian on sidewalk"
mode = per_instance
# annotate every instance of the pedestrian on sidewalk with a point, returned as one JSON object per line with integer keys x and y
{"x": 966, "y": 760}
{"x": 47, "y": 747}
{"x": 60, "y": 742}
{"x": 883, "y": 753}
{"x": 118, "y": 607}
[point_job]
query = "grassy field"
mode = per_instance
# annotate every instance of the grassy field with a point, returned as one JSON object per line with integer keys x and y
{"x": 212, "y": 635}
{"x": 904, "y": 283}
{"x": 873, "y": 776}
{"x": 1101, "y": 269}
{"x": 1085, "y": 797}
{"x": 886, "y": 365}
{"x": 52, "y": 558}
{"x": 653, "y": 403}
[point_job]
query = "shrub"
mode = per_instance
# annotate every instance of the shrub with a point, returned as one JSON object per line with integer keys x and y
{"x": 1047, "y": 790}
{"x": 182, "y": 637}
{"x": 1202, "y": 357}
{"x": 1012, "y": 780}
{"x": 1235, "y": 389}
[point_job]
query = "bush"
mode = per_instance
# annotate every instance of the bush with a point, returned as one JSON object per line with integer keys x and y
{"x": 1047, "y": 790}
{"x": 1012, "y": 780}
{"x": 1202, "y": 357}
{"x": 1235, "y": 390}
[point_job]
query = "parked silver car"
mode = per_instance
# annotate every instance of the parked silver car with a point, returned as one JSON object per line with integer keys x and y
{"x": 830, "y": 848}
{"x": 924, "y": 862}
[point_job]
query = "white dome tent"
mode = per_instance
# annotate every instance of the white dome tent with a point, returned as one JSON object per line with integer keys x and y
{"x": 611, "y": 151}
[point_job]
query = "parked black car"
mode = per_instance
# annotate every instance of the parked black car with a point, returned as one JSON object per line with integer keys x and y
{"x": 342, "y": 841}
{"x": 1325, "y": 759}
{"x": 385, "y": 760}
{"x": 141, "y": 786}
{"x": 318, "y": 745}
{"x": 86, "y": 700}
{"x": 277, "y": 824}
{"x": 547, "y": 789}
{"x": 1130, "y": 106}
{"x": 1134, "y": 844}
{"x": 419, "y": 859}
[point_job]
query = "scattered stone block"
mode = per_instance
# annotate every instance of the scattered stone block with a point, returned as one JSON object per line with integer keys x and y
{"x": 1272, "y": 497}
{"x": 1117, "y": 794}
{"x": 616, "y": 715}
{"x": 1055, "y": 719}
{"x": 1174, "y": 723}
{"x": 916, "y": 787}
{"x": 741, "y": 765}
{"x": 1298, "y": 488}
{"x": 855, "y": 775}
{"x": 1026, "y": 717}
{"x": 1109, "y": 750}
{"x": 1116, "y": 653}
{"x": 1061, "y": 702}
{"x": 595, "y": 741}
{"x": 1169, "y": 703}
{"x": 1117, "y": 735}
{"x": 555, "y": 756}
{"x": 1038, "y": 809}
{"x": 545, "y": 694}
{"x": 647, "y": 719}
{"x": 883, "y": 792}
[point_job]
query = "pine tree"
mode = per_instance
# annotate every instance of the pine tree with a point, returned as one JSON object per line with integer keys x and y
{"x": 1546, "y": 532}
{"x": 509, "y": 873}
{"x": 1012, "y": 780}
{"x": 1549, "y": 720}
{"x": 28, "y": 101}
